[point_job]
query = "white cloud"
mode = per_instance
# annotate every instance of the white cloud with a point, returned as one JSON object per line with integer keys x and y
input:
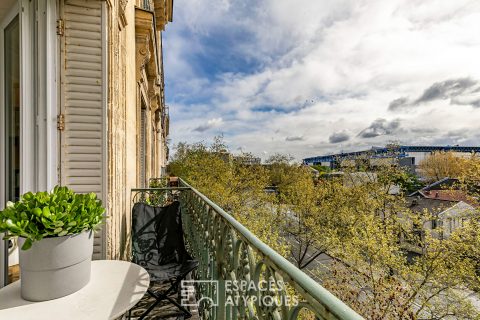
{"x": 321, "y": 67}
{"x": 338, "y": 137}
{"x": 210, "y": 124}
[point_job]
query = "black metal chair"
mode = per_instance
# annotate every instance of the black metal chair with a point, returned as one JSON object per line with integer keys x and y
{"x": 158, "y": 246}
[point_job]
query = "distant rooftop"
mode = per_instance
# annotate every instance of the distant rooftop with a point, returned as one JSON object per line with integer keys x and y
{"x": 446, "y": 195}
{"x": 445, "y": 190}
{"x": 443, "y": 184}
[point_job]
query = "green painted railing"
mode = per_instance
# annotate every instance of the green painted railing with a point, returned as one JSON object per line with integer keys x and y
{"x": 229, "y": 253}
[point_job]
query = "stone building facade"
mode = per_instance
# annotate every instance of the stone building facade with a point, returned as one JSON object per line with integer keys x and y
{"x": 140, "y": 119}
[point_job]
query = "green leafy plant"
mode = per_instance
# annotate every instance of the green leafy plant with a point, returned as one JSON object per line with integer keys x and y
{"x": 158, "y": 197}
{"x": 158, "y": 183}
{"x": 57, "y": 213}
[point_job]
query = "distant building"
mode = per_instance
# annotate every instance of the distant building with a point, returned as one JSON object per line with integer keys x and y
{"x": 449, "y": 207}
{"x": 247, "y": 159}
{"x": 404, "y": 156}
{"x": 352, "y": 179}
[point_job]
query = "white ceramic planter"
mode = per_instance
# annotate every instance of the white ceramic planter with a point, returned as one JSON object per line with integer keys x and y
{"x": 55, "y": 267}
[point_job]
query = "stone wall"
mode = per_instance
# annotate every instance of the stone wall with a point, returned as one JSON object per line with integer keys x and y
{"x": 133, "y": 75}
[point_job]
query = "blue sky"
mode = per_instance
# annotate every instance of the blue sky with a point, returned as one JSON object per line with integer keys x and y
{"x": 310, "y": 77}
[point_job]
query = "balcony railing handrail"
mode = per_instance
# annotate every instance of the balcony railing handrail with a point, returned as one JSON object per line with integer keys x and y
{"x": 160, "y": 189}
{"x": 323, "y": 298}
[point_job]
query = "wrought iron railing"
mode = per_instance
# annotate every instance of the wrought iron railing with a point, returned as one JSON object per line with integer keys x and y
{"x": 146, "y": 5}
{"x": 229, "y": 253}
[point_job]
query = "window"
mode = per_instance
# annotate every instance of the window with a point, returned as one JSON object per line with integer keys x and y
{"x": 12, "y": 110}
{"x": 10, "y": 127}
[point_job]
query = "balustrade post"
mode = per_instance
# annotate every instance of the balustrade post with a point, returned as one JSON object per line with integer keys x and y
{"x": 221, "y": 309}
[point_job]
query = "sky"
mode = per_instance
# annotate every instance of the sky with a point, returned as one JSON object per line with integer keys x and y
{"x": 315, "y": 77}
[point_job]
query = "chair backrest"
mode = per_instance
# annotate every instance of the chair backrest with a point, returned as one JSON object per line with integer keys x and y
{"x": 157, "y": 235}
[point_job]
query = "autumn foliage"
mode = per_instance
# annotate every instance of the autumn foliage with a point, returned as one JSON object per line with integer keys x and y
{"x": 362, "y": 227}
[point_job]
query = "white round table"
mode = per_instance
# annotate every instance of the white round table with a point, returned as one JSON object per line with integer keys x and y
{"x": 114, "y": 288}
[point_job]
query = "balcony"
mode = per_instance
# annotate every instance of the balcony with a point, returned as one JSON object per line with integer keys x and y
{"x": 229, "y": 253}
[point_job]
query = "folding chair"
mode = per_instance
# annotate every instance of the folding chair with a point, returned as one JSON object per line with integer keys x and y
{"x": 158, "y": 246}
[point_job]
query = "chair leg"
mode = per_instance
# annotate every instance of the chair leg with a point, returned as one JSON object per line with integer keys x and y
{"x": 163, "y": 296}
{"x": 158, "y": 297}
{"x": 187, "y": 313}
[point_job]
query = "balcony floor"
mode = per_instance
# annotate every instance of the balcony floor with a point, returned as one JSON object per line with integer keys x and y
{"x": 164, "y": 310}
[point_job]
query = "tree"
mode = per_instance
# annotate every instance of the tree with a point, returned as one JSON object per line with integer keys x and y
{"x": 376, "y": 276}
{"x": 470, "y": 176}
{"x": 407, "y": 181}
{"x": 440, "y": 165}
{"x": 239, "y": 189}
{"x": 359, "y": 223}
{"x": 280, "y": 169}
{"x": 298, "y": 206}
{"x": 321, "y": 169}
{"x": 372, "y": 270}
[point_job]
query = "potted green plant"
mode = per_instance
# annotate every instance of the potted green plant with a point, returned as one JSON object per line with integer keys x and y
{"x": 55, "y": 231}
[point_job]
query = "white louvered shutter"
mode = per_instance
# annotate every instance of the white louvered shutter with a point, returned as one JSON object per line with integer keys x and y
{"x": 83, "y": 150}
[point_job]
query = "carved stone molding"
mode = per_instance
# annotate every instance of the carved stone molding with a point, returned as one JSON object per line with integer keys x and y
{"x": 154, "y": 95}
{"x": 122, "y": 18}
{"x": 142, "y": 55}
{"x": 146, "y": 44}
{"x": 123, "y": 4}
